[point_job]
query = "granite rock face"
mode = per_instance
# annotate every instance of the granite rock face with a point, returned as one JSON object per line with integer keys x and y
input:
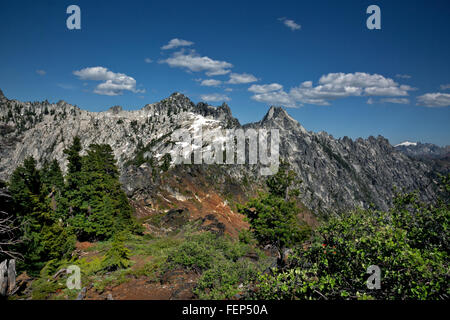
{"x": 337, "y": 174}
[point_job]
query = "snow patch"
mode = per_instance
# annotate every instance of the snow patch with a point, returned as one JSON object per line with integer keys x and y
{"x": 406, "y": 144}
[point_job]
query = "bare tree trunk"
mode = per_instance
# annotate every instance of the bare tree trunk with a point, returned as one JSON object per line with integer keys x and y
{"x": 3, "y": 278}
{"x": 11, "y": 276}
{"x": 9, "y": 228}
{"x": 7, "y": 277}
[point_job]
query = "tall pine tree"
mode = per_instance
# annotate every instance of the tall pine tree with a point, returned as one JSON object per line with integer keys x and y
{"x": 98, "y": 204}
{"x": 43, "y": 234}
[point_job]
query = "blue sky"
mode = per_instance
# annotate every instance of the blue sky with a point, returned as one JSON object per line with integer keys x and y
{"x": 317, "y": 58}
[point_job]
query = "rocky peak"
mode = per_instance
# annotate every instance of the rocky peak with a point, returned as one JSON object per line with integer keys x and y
{"x": 225, "y": 108}
{"x": 178, "y": 98}
{"x": 221, "y": 113}
{"x": 61, "y": 103}
{"x": 277, "y": 117}
{"x": 115, "y": 109}
{"x": 2, "y": 96}
{"x": 177, "y": 95}
{"x": 178, "y": 103}
{"x": 275, "y": 112}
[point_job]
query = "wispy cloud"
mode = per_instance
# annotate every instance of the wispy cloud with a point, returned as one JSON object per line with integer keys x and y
{"x": 113, "y": 83}
{"x": 192, "y": 61}
{"x": 291, "y": 24}
{"x": 66, "y": 86}
{"x": 389, "y": 100}
{"x": 214, "y": 97}
{"x": 403, "y": 76}
{"x": 264, "y": 88}
{"x": 445, "y": 86}
{"x": 239, "y": 78}
{"x": 148, "y": 60}
{"x": 434, "y": 100}
{"x": 41, "y": 72}
{"x": 175, "y": 43}
{"x": 395, "y": 100}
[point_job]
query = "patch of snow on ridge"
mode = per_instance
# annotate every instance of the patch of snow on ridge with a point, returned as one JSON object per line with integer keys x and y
{"x": 406, "y": 144}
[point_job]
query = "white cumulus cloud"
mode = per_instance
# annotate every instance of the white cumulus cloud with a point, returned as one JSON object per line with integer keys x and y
{"x": 341, "y": 85}
{"x": 113, "y": 83}
{"x": 434, "y": 100}
{"x": 194, "y": 62}
{"x": 175, "y": 43}
{"x": 334, "y": 86}
{"x": 239, "y": 78}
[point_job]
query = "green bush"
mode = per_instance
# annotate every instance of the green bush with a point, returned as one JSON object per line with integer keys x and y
{"x": 246, "y": 236}
{"x": 409, "y": 243}
{"x": 220, "y": 261}
{"x": 197, "y": 253}
{"x": 222, "y": 280}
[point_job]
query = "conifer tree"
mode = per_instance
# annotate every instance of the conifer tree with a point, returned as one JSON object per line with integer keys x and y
{"x": 43, "y": 235}
{"x": 52, "y": 176}
{"x": 118, "y": 255}
{"x": 272, "y": 216}
{"x": 99, "y": 204}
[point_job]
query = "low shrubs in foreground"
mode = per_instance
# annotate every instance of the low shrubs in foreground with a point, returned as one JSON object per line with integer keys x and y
{"x": 221, "y": 262}
{"x": 409, "y": 243}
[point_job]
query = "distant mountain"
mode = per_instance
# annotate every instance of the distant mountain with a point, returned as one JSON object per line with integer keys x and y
{"x": 436, "y": 157}
{"x": 337, "y": 174}
{"x": 423, "y": 150}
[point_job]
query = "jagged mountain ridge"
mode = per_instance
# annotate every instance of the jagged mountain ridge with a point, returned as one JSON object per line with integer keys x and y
{"x": 355, "y": 172}
{"x": 337, "y": 174}
{"x": 45, "y": 129}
